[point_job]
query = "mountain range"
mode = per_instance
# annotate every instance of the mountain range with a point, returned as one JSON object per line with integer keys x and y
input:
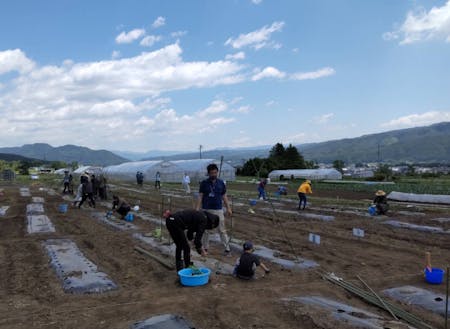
{"x": 66, "y": 153}
{"x": 429, "y": 144}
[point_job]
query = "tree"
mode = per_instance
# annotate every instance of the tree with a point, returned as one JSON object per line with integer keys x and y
{"x": 293, "y": 159}
{"x": 277, "y": 151}
{"x": 338, "y": 165}
{"x": 383, "y": 173}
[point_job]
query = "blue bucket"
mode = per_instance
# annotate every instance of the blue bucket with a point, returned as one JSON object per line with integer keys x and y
{"x": 372, "y": 210}
{"x": 190, "y": 280}
{"x": 129, "y": 217}
{"x": 62, "y": 208}
{"x": 435, "y": 276}
{"x": 252, "y": 202}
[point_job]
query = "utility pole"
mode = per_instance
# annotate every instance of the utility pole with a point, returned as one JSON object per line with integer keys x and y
{"x": 200, "y": 147}
{"x": 379, "y": 153}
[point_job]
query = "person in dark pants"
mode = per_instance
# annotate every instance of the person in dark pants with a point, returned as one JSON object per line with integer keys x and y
{"x": 66, "y": 181}
{"x": 158, "y": 181}
{"x": 194, "y": 221}
{"x": 304, "y": 188}
{"x": 120, "y": 206}
{"x": 246, "y": 265}
{"x": 87, "y": 194}
{"x": 380, "y": 202}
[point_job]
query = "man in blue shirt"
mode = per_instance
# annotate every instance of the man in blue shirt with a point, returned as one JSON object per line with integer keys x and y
{"x": 212, "y": 193}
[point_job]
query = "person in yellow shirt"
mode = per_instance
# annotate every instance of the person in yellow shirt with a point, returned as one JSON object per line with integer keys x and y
{"x": 304, "y": 188}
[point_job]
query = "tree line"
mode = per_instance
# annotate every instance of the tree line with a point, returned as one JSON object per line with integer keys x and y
{"x": 280, "y": 157}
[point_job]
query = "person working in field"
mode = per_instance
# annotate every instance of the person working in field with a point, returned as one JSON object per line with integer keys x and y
{"x": 120, "y": 206}
{"x": 304, "y": 188}
{"x": 380, "y": 202}
{"x": 246, "y": 265}
{"x": 194, "y": 222}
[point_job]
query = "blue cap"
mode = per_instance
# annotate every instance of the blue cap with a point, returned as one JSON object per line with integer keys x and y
{"x": 248, "y": 245}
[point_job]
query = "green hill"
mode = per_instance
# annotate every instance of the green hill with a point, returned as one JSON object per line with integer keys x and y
{"x": 66, "y": 153}
{"x": 421, "y": 144}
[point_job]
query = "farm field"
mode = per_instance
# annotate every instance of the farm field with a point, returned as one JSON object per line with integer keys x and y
{"x": 31, "y": 294}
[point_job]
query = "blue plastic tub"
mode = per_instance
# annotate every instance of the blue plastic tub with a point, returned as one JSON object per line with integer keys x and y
{"x": 187, "y": 279}
{"x": 372, "y": 210}
{"x": 252, "y": 202}
{"x": 129, "y": 217}
{"x": 62, "y": 208}
{"x": 435, "y": 276}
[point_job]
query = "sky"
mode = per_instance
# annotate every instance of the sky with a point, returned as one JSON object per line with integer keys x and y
{"x": 139, "y": 75}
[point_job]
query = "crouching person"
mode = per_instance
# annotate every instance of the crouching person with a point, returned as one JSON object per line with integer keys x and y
{"x": 246, "y": 265}
{"x": 120, "y": 206}
{"x": 381, "y": 203}
{"x": 193, "y": 221}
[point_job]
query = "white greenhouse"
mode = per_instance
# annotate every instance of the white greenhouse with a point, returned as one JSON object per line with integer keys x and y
{"x": 127, "y": 171}
{"x": 89, "y": 169}
{"x": 312, "y": 174}
{"x": 170, "y": 171}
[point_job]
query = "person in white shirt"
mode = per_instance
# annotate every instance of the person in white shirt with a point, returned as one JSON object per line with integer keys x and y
{"x": 186, "y": 181}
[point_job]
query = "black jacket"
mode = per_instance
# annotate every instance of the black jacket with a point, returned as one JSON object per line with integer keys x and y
{"x": 192, "y": 221}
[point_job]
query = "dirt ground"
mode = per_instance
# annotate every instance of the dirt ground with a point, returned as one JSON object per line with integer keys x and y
{"x": 31, "y": 295}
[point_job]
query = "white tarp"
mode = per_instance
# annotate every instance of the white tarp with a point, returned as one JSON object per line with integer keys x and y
{"x": 422, "y": 198}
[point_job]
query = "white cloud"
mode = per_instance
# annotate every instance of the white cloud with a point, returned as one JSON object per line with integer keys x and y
{"x": 323, "y": 118}
{"x": 150, "y": 40}
{"x": 295, "y": 50}
{"x": 160, "y": 21}
{"x": 129, "y": 37}
{"x": 237, "y": 56}
{"x": 295, "y": 139}
{"x": 257, "y": 39}
{"x": 15, "y": 60}
{"x": 268, "y": 72}
{"x": 216, "y": 106}
{"x": 415, "y": 120}
{"x": 115, "y": 54}
{"x": 178, "y": 34}
{"x": 422, "y": 25}
{"x": 107, "y": 99}
{"x": 271, "y": 103}
{"x": 323, "y": 72}
{"x": 242, "y": 109}
{"x": 256, "y": 2}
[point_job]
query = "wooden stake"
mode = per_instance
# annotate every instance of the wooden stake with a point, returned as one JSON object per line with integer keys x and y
{"x": 160, "y": 260}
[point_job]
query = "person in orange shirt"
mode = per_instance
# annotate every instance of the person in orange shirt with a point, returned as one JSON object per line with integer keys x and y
{"x": 304, "y": 188}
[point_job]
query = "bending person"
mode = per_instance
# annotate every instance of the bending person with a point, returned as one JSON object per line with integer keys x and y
{"x": 193, "y": 221}
{"x": 380, "y": 202}
{"x": 120, "y": 206}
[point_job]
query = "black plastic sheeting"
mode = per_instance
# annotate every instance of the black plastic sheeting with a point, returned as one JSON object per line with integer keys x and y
{"x": 77, "y": 273}
{"x": 165, "y": 321}
{"x": 419, "y": 297}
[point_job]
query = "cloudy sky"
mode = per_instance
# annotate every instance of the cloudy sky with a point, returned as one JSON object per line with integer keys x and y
{"x": 141, "y": 75}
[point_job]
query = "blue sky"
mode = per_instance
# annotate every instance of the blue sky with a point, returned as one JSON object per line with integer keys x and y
{"x": 171, "y": 75}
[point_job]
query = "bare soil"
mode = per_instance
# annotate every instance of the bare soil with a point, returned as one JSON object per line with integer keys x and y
{"x": 31, "y": 295}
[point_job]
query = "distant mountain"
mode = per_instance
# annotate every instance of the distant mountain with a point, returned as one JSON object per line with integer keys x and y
{"x": 235, "y": 157}
{"x": 15, "y": 157}
{"x": 136, "y": 156}
{"x": 429, "y": 144}
{"x": 421, "y": 144}
{"x": 66, "y": 153}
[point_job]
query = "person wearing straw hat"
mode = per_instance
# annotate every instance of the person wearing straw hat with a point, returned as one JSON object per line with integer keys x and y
{"x": 304, "y": 188}
{"x": 380, "y": 202}
{"x": 194, "y": 221}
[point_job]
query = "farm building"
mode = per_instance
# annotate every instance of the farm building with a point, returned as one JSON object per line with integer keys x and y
{"x": 313, "y": 174}
{"x": 171, "y": 171}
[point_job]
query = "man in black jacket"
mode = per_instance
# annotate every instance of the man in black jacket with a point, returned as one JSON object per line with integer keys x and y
{"x": 193, "y": 221}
